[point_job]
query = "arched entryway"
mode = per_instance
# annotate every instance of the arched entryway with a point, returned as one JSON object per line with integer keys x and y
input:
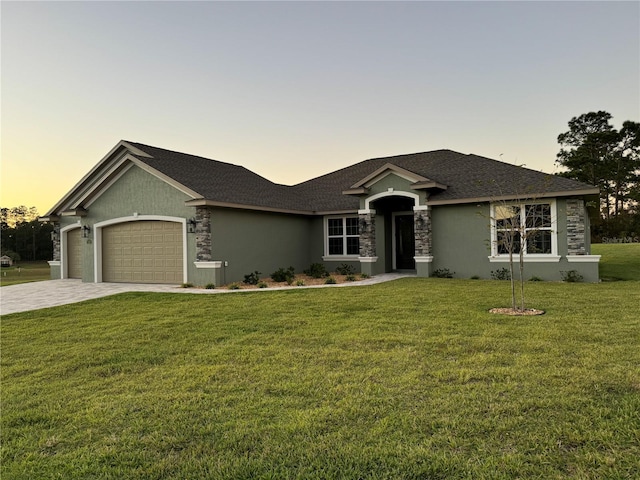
{"x": 395, "y": 231}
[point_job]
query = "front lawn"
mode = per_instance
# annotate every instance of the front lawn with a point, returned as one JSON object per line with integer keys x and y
{"x": 25, "y": 272}
{"x": 620, "y": 261}
{"x": 409, "y": 379}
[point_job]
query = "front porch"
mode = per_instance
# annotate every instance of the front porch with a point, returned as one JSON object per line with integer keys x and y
{"x": 395, "y": 236}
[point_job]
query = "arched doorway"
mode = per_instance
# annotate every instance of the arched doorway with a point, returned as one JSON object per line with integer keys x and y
{"x": 395, "y": 231}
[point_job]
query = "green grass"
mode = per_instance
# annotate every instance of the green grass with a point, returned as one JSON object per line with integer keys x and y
{"x": 409, "y": 379}
{"x": 620, "y": 261}
{"x": 25, "y": 272}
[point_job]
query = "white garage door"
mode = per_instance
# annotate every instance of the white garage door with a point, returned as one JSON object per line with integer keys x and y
{"x": 142, "y": 252}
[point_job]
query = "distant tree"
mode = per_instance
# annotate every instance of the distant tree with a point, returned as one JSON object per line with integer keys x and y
{"x": 593, "y": 151}
{"x": 10, "y": 217}
{"x": 23, "y": 236}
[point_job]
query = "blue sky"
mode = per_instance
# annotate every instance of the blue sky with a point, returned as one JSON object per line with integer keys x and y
{"x": 292, "y": 90}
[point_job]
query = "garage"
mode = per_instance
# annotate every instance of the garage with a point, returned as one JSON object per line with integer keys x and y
{"x": 74, "y": 254}
{"x": 147, "y": 251}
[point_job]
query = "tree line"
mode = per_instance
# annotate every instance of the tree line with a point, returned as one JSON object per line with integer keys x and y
{"x": 594, "y": 152}
{"x": 23, "y": 237}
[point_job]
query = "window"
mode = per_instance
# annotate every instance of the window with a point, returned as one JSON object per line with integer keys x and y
{"x": 527, "y": 226}
{"x": 343, "y": 237}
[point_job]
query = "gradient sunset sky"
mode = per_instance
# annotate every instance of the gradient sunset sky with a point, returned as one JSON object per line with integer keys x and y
{"x": 293, "y": 90}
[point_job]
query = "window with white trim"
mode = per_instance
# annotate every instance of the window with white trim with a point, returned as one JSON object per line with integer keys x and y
{"x": 529, "y": 226}
{"x": 342, "y": 236}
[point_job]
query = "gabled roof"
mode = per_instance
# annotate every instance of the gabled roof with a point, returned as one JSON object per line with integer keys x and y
{"x": 450, "y": 177}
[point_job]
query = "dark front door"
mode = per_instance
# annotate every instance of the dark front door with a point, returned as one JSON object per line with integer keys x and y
{"x": 405, "y": 243}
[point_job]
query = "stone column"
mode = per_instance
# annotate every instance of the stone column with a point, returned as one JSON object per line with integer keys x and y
{"x": 367, "y": 223}
{"x": 576, "y": 224}
{"x": 367, "y": 227}
{"x": 55, "y": 239}
{"x": 422, "y": 232}
{"x": 203, "y": 234}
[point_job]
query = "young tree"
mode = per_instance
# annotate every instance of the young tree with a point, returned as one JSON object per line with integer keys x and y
{"x": 521, "y": 224}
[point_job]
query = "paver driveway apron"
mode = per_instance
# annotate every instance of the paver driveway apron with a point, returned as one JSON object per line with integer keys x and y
{"x": 51, "y": 293}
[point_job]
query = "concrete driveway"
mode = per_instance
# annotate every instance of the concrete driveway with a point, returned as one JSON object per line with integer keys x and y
{"x": 51, "y": 293}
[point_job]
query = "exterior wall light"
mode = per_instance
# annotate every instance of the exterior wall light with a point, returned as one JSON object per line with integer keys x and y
{"x": 86, "y": 231}
{"x": 191, "y": 225}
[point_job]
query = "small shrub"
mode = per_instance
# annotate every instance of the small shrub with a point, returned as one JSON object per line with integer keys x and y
{"x": 330, "y": 281}
{"x": 252, "y": 278}
{"x": 535, "y": 279}
{"x": 364, "y": 276}
{"x": 571, "y": 276}
{"x": 234, "y": 286}
{"x": 501, "y": 274}
{"x": 300, "y": 283}
{"x": 262, "y": 285}
{"x": 443, "y": 273}
{"x": 350, "y": 278}
{"x": 210, "y": 286}
{"x": 290, "y": 280}
{"x": 475, "y": 277}
{"x": 346, "y": 269}
{"x": 316, "y": 270}
{"x": 187, "y": 285}
{"x": 282, "y": 275}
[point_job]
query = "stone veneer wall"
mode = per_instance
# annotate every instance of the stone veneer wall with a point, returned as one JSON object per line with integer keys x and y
{"x": 203, "y": 234}
{"x": 55, "y": 239}
{"x": 367, "y": 222}
{"x": 422, "y": 229}
{"x": 576, "y": 227}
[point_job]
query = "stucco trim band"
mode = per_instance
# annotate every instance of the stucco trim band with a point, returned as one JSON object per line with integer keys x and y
{"x": 208, "y": 264}
{"x": 527, "y": 259}
{"x": 368, "y": 259}
{"x": 584, "y": 258}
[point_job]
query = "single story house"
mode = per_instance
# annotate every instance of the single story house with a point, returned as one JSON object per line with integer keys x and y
{"x": 145, "y": 214}
{"x": 6, "y": 261}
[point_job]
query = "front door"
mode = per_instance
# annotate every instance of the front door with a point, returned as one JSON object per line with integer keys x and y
{"x": 405, "y": 243}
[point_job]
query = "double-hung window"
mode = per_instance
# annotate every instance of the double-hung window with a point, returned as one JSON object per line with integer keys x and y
{"x": 342, "y": 236}
{"x": 526, "y": 226}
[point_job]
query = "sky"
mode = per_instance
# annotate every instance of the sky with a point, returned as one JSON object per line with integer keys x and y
{"x": 293, "y": 90}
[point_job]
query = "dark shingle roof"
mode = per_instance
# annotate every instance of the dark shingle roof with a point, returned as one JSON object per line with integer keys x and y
{"x": 219, "y": 181}
{"x": 467, "y": 177}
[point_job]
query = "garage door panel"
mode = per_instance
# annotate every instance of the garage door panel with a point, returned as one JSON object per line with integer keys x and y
{"x": 131, "y": 253}
{"x": 74, "y": 253}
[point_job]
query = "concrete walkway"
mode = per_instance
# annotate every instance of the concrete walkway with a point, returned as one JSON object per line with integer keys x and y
{"x": 51, "y": 293}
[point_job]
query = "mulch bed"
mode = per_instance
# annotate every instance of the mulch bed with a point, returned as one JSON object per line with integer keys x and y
{"x": 308, "y": 281}
{"x": 516, "y": 312}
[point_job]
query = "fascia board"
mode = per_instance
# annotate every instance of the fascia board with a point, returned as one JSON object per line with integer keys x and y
{"x": 428, "y": 185}
{"x": 531, "y": 196}
{"x": 356, "y": 191}
{"x": 202, "y": 202}
{"x": 135, "y": 150}
{"x": 337, "y": 212}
